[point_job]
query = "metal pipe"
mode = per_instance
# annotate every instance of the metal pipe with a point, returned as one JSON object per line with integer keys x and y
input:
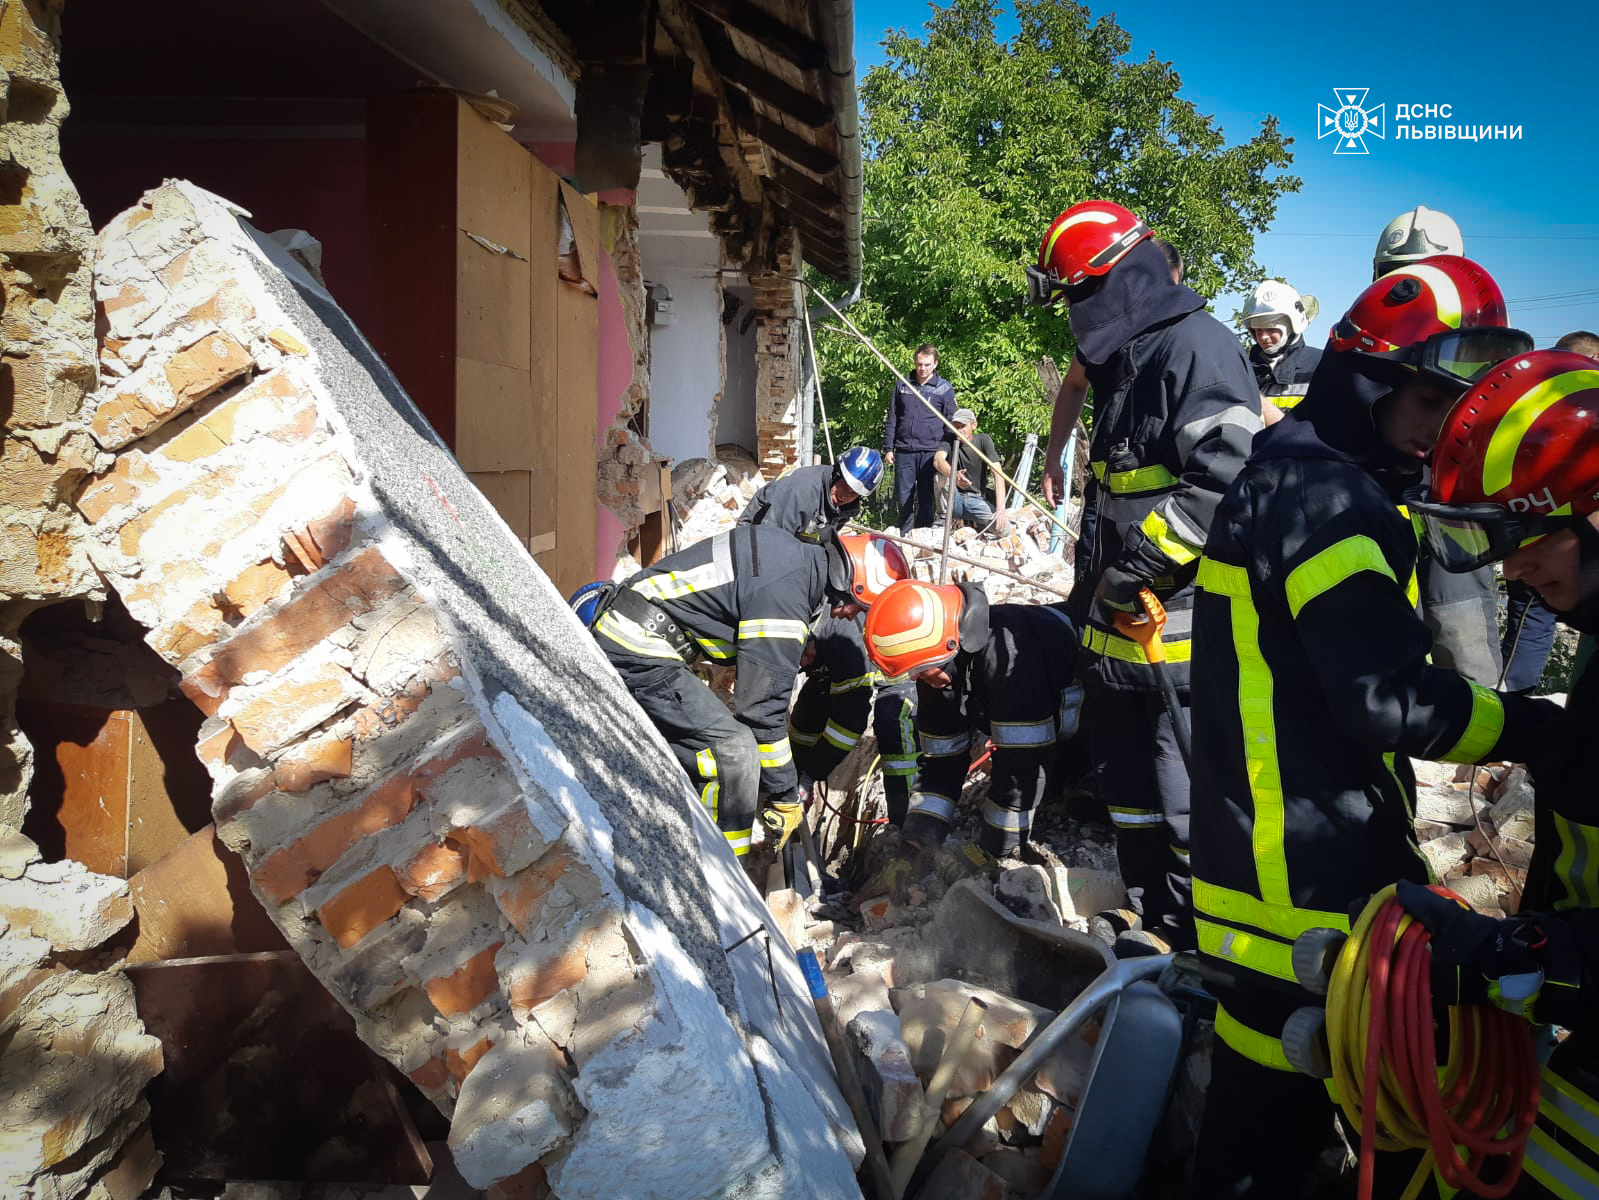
{"x": 949, "y": 509}
{"x": 1107, "y": 987}
{"x": 1024, "y": 471}
{"x": 909, "y": 1153}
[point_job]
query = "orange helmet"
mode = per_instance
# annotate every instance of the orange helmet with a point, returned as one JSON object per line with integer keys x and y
{"x": 1087, "y": 239}
{"x": 1444, "y": 316}
{"x": 914, "y": 626}
{"x": 1518, "y": 457}
{"x": 872, "y": 564}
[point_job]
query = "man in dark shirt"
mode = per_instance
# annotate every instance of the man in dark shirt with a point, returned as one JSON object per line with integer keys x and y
{"x": 971, "y": 474}
{"x": 912, "y": 436}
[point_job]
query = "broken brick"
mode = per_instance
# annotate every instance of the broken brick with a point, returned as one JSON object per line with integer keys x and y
{"x": 207, "y": 365}
{"x": 464, "y": 989}
{"x": 433, "y": 872}
{"x": 285, "y": 709}
{"x": 314, "y": 761}
{"x": 362, "y": 907}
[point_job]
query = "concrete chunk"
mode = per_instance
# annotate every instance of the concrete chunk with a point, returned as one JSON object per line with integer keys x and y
{"x": 66, "y": 903}
{"x": 892, "y": 1088}
{"x": 515, "y": 1107}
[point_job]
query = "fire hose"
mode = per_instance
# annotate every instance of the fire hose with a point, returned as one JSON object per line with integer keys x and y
{"x": 1473, "y": 1117}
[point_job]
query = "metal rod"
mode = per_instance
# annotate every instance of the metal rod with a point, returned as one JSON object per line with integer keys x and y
{"x": 949, "y": 510}
{"x": 970, "y": 562}
{"x": 816, "y": 377}
{"x": 851, "y": 327}
{"x": 909, "y": 1153}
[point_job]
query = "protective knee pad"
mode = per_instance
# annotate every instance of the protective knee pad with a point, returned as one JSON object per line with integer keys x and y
{"x": 738, "y": 767}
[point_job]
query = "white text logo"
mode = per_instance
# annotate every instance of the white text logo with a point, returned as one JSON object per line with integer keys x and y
{"x": 1350, "y": 122}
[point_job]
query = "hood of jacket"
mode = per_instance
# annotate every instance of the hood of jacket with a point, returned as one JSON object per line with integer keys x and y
{"x": 1135, "y": 295}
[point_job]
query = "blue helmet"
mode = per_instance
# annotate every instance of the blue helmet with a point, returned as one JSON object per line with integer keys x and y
{"x": 861, "y": 469}
{"x": 587, "y": 599}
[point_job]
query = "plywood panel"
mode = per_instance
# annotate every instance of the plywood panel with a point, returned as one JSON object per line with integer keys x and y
{"x": 169, "y": 790}
{"x": 493, "y": 195}
{"x": 495, "y": 421}
{"x": 543, "y": 340}
{"x": 197, "y": 901}
{"x": 91, "y": 751}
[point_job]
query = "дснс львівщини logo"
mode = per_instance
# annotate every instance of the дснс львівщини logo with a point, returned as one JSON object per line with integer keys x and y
{"x": 1350, "y": 122}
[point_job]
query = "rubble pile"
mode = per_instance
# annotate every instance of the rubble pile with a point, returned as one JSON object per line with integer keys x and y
{"x": 708, "y": 495}
{"x": 1475, "y": 825}
{"x": 1022, "y": 550}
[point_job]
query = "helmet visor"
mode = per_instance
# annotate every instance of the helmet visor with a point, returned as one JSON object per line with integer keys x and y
{"x": 1042, "y": 286}
{"x": 1466, "y": 355}
{"x": 1464, "y": 537}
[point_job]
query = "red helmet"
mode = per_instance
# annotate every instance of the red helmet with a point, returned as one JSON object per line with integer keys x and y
{"x": 874, "y": 564}
{"x": 1517, "y": 458}
{"x": 914, "y": 626}
{"x": 1087, "y": 239}
{"x": 1443, "y": 316}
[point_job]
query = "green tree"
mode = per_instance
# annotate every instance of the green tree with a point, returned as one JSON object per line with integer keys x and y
{"x": 973, "y": 147}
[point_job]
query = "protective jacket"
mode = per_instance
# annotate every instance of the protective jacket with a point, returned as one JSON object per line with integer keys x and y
{"x": 747, "y": 595}
{"x": 1311, "y": 693}
{"x": 910, "y": 426}
{"x": 1012, "y": 680}
{"x": 834, "y": 705}
{"x": 1284, "y": 378}
{"x": 1175, "y": 411}
{"x": 799, "y": 501}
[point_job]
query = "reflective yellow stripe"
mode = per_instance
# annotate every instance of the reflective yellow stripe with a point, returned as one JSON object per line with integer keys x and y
{"x": 1446, "y": 296}
{"x": 839, "y": 736}
{"x": 705, "y": 764}
{"x": 711, "y": 798}
{"x": 631, "y": 636}
{"x": 1482, "y": 731}
{"x": 740, "y": 842}
{"x": 800, "y": 738}
{"x": 1173, "y": 547}
{"x": 1330, "y": 567}
{"x": 715, "y": 647}
{"x": 850, "y": 685}
{"x": 1284, "y": 920}
{"x": 673, "y": 584}
{"x": 790, "y": 630}
{"x": 1560, "y": 1171}
{"x": 899, "y": 766}
{"x": 776, "y": 754}
{"x": 1252, "y": 950}
{"x": 1507, "y": 435}
{"x": 1113, "y": 645}
{"x": 1253, "y": 1045}
{"x": 1569, "y": 1107}
{"x": 1577, "y": 865}
{"x": 1139, "y": 479}
{"x": 1258, "y": 723}
{"x": 1223, "y": 579}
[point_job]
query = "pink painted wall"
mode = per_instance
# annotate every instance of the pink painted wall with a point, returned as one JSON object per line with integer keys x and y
{"x": 615, "y": 375}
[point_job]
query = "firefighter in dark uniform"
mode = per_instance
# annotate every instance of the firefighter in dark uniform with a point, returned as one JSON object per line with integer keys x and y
{"x": 1522, "y": 446}
{"x": 808, "y": 499}
{"x": 830, "y": 713}
{"x": 1276, "y": 318}
{"x": 1175, "y": 411}
{"x": 1001, "y": 670}
{"x": 1312, "y": 692}
{"x": 748, "y": 597}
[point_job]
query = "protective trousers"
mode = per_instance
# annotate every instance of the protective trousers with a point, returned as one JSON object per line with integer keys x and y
{"x": 894, "y": 723}
{"x": 1144, "y": 783}
{"x": 915, "y": 486}
{"x": 717, "y": 751}
{"x": 824, "y": 727}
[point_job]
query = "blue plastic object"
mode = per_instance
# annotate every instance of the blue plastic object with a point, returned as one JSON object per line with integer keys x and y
{"x": 586, "y": 600}
{"x": 861, "y": 468}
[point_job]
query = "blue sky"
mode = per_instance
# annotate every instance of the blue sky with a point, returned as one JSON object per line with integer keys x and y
{"x": 1529, "y": 209}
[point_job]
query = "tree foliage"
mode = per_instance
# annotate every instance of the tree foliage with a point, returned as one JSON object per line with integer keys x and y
{"x": 973, "y": 146}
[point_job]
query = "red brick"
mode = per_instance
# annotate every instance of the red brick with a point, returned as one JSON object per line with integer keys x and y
{"x": 547, "y": 968}
{"x": 211, "y": 488}
{"x": 127, "y": 414}
{"x": 357, "y": 587}
{"x": 362, "y": 907}
{"x": 392, "y": 711}
{"x": 254, "y": 588}
{"x": 314, "y": 761}
{"x": 291, "y": 870}
{"x": 521, "y": 897}
{"x": 123, "y": 484}
{"x": 464, "y": 989}
{"x": 434, "y": 871}
{"x": 530, "y": 1183}
{"x": 202, "y": 368}
{"x": 490, "y": 846}
{"x": 461, "y": 1062}
{"x": 323, "y": 540}
{"x": 282, "y": 712}
{"x": 204, "y": 437}
{"x": 431, "y": 1075}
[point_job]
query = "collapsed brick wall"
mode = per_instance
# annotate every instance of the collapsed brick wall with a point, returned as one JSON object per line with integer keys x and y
{"x": 778, "y": 359}
{"x": 73, "y": 1117}
{"x": 441, "y": 793}
{"x": 623, "y": 453}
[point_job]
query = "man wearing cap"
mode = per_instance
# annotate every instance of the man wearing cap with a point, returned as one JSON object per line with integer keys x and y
{"x": 970, "y": 462}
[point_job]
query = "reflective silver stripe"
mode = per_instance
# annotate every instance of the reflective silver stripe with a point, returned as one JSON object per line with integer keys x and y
{"x": 1558, "y": 1169}
{"x": 803, "y": 739}
{"x": 1024, "y": 733}
{"x": 839, "y": 736}
{"x": 899, "y": 764}
{"x": 945, "y": 745}
{"x": 1568, "y": 1107}
{"x": 715, "y": 647}
{"x": 738, "y": 842}
{"x": 1006, "y": 818}
{"x": 1071, "y": 709}
{"x": 775, "y": 754}
{"x": 673, "y": 584}
{"x": 711, "y": 797}
{"x": 774, "y": 628}
{"x": 1182, "y": 526}
{"x": 1132, "y": 818}
{"x": 929, "y": 805}
{"x": 1288, "y": 389}
{"x": 1180, "y": 853}
{"x": 1191, "y": 434}
{"x": 852, "y": 685}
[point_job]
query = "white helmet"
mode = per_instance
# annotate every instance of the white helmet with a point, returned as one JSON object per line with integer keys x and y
{"x": 1274, "y": 301}
{"x": 1413, "y": 235}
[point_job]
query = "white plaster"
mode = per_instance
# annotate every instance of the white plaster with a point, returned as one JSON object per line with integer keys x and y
{"x": 678, "y": 1092}
{"x": 550, "y": 772}
{"x": 810, "y": 1164}
{"x": 685, "y": 374}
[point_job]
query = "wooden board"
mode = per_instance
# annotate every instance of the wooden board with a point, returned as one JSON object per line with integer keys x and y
{"x": 196, "y": 901}
{"x": 495, "y": 422}
{"x": 79, "y": 797}
{"x": 543, "y": 345}
{"x": 577, "y": 315}
{"x": 169, "y": 789}
{"x": 493, "y": 287}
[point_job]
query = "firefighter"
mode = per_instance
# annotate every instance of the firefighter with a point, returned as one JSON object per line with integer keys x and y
{"x": 1312, "y": 692}
{"x": 1276, "y": 318}
{"x": 809, "y": 499}
{"x": 830, "y": 714}
{"x": 1521, "y": 447}
{"x": 1460, "y": 610}
{"x": 746, "y": 596}
{"x": 1175, "y": 411}
{"x": 1001, "y": 670}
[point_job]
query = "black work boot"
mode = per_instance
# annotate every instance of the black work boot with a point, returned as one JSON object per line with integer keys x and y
{"x": 1107, "y": 926}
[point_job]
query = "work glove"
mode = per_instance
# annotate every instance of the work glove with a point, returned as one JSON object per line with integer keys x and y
{"x": 780, "y": 817}
{"x": 1478, "y": 959}
{"x": 1118, "y": 589}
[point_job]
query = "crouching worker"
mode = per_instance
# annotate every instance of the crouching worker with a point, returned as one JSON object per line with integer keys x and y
{"x": 1515, "y": 478}
{"x": 748, "y": 595}
{"x": 997, "y": 670}
{"x": 831, "y": 711}
{"x": 807, "y": 500}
